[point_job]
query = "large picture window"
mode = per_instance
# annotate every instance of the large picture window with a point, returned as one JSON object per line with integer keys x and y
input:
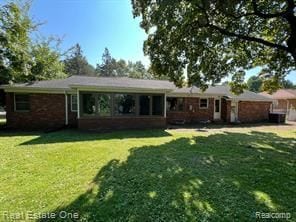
{"x": 120, "y": 104}
{"x": 175, "y": 104}
{"x": 22, "y": 102}
{"x": 144, "y": 102}
{"x": 88, "y": 104}
{"x": 157, "y": 105}
{"x": 104, "y": 104}
{"x": 124, "y": 104}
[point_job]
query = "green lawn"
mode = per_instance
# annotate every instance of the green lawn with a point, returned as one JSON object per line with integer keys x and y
{"x": 2, "y": 121}
{"x": 151, "y": 175}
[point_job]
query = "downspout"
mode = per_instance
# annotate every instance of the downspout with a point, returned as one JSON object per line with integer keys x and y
{"x": 78, "y": 105}
{"x": 164, "y": 112}
{"x": 66, "y": 109}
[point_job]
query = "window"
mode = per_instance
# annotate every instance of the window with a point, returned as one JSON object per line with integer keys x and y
{"x": 73, "y": 103}
{"x": 157, "y": 105}
{"x": 119, "y": 104}
{"x": 124, "y": 104}
{"x": 203, "y": 103}
{"x": 88, "y": 104}
{"x": 104, "y": 104}
{"x": 22, "y": 102}
{"x": 217, "y": 105}
{"x": 144, "y": 102}
{"x": 175, "y": 104}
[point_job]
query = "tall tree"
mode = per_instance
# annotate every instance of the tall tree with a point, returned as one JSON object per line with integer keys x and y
{"x": 108, "y": 65}
{"x": 15, "y": 28}
{"x": 257, "y": 83}
{"x": 138, "y": 70}
{"x": 287, "y": 84}
{"x": 121, "y": 68}
{"x": 47, "y": 61}
{"x": 22, "y": 59}
{"x": 254, "y": 83}
{"x": 77, "y": 64}
{"x": 208, "y": 40}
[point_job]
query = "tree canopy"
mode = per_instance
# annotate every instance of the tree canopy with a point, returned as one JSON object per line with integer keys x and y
{"x": 15, "y": 27}
{"x": 46, "y": 61}
{"x": 209, "y": 39}
{"x": 109, "y": 66}
{"x": 21, "y": 58}
{"x": 256, "y": 84}
{"x": 287, "y": 84}
{"x": 77, "y": 64}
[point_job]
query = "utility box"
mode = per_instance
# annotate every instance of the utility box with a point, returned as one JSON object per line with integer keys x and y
{"x": 277, "y": 117}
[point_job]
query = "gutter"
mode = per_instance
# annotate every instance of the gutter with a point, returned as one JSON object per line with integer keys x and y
{"x": 120, "y": 89}
{"x": 66, "y": 109}
{"x": 36, "y": 90}
{"x": 193, "y": 95}
{"x": 248, "y": 100}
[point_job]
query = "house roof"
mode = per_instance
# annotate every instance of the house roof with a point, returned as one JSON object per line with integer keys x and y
{"x": 88, "y": 81}
{"x": 121, "y": 83}
{"x": 222, "y": 91}
{"x": 281, "y": 94}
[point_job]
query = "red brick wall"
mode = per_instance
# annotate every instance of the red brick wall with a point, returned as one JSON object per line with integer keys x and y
{"x": 46, "y": 111}
{"x": 115, "y": 123}
{"x": 195, "y": 115}
{"x": 225, "y": 110}
{"x": 253, "y": 111}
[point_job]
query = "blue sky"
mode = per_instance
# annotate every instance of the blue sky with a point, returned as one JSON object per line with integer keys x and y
{"x": 96, "y": 24}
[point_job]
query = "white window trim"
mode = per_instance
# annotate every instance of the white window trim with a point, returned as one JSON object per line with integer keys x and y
{"x": 14, "y": 102}
{"x": 207, "y": 103}
{"x": 73, "y": 110}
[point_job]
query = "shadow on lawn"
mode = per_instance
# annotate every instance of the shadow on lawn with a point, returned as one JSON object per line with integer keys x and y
{"x": 80, "y": 136}
{"x": 208, "y": 126}
{"x": 226, "y": 176}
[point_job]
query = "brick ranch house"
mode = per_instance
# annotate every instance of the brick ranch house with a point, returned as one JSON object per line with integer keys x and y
{"x": 103, "y": 103}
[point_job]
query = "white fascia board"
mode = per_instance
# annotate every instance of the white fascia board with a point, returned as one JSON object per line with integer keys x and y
{"x": 250, "y": 100}
{"x": 118, "y": 89}
{"x": 37, "y": 90}
{"x": 204, "y": 95}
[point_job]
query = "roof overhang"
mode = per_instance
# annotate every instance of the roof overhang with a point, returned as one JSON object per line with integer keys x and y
{"x": 193, "y": 95}
{"x": 27, "y": 89}
{"x": 118, "y": 89}
{"x": 248, "y": 100}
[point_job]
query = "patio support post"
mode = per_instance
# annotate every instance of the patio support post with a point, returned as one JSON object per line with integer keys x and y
{"x": 78, "y": 105}
{"x": 164, "y": 105}
{"x": 66, "y": 108}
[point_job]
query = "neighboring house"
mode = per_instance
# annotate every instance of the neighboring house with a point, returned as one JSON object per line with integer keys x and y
{"x": 284, "y": 100}
{"x": 123, "y": 103}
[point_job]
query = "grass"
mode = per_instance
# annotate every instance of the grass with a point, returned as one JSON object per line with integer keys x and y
{"x": 2, "y": 121}
{"x": 151, "y": 175}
